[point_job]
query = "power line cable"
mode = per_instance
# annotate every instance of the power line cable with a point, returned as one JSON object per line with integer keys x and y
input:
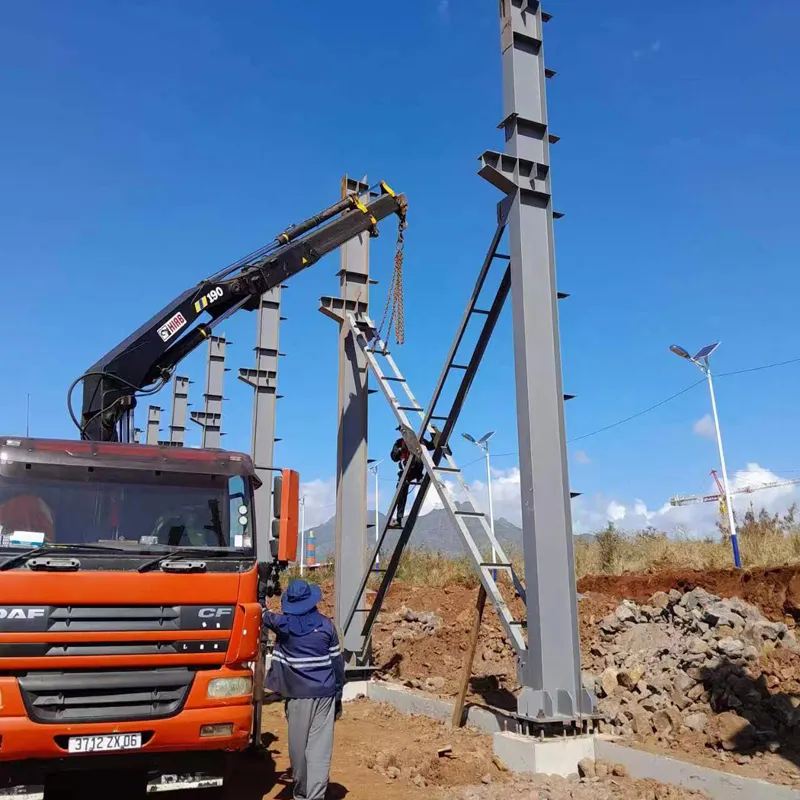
{"x": 657, "y": 405}
{"x": 612, "y": 425}
{"x": 757, "y": 369}
{"x": 669, "y": 399}
{"x": 638, "y": 413}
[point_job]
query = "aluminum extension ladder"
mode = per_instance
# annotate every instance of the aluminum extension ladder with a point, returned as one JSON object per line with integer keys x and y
{"x": 439, "y": 464}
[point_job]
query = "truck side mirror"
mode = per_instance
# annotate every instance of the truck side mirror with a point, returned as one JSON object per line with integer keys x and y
{"x": 286, "y": 514}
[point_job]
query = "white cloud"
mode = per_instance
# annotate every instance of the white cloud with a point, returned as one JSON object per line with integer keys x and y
{"x": 705, "y": 427}
{"x": 582, "y": 458}
{"x": 615, "y": 511}
{"x": 589, "y": 512}
{"x": 320, "y": 500}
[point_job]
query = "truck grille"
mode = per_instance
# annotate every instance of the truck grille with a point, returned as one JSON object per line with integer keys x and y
{"x": 78, "y": 648}
{"x": 105, "y": 618}
{"x": 58, "y": 697}
{"x": 85, "y": 619}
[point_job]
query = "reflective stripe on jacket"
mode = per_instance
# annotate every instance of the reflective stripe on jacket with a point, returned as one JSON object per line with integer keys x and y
{"x": 308, "y": 665}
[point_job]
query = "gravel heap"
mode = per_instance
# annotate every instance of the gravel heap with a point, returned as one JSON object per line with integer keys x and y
{"x": 696, "y": 663}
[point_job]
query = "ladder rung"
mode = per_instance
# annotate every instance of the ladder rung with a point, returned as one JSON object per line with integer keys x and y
{"x": 523, "y": 623}
{"x": 409, "y": 408}
{"x": 502, "y": 255}
{"x": 439, "y": 417}
{"x": 470, "y": 513}
{"x": 378, "y": 570}
{"x": 480, "y": 311}
{"x": 493, "y": 565}
{"x": 399, "y": 380}
{"x": 363, "y": 609}
{"x": 447, "y": 469}
{"x": 459, "y": 366}
{"x": 380, "y": 352}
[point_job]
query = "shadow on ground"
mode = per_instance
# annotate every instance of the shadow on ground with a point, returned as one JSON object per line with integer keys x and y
{"x": 751, "y": 718}
{"x": 488, "y": 688}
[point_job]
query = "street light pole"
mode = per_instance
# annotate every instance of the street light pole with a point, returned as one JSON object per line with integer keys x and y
{"x": 483, "y": 444}
{"x": 489, "y": 487}
{"x": 725, "y": 485}
{"x": 700, "y": 360}
{"x": 302, "y": 535}
{"x": 375, "y": 470}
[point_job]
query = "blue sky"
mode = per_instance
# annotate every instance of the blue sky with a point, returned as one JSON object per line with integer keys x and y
{"x": 147, "y": 144}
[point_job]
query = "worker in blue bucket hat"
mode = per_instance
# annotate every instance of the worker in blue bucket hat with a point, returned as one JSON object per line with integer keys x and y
{"x": 307, "y": 670}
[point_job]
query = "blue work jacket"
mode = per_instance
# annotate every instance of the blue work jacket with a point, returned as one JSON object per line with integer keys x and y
{"x": 307, "y": 664}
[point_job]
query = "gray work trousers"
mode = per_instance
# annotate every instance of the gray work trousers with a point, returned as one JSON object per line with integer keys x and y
{"x": 310, "y": 721}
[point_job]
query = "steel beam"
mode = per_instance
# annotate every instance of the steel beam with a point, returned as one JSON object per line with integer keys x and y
{"x": 350, "y": 547}
{"x": 180, "y": 406}
{"x": 550, "y": 670}
{"x": 153, "y": 424}
{"x": 210, "y": 419}
{"x": 264, "y": 380}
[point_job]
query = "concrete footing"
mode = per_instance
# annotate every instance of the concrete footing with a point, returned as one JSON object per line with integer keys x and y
{"x": 549, "y": 757}
{"x": 561, "y": 756}
{"x": 355, "y": 689}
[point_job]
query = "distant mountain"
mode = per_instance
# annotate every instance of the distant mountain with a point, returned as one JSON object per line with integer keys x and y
{"x": 433, "y": 531}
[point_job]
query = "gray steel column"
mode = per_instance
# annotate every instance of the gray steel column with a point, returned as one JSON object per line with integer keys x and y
{"x": 350, "y": 548}
{"x": 550, "y": 672}
{"x": 210, "y": 419}
{"x": 153, "y": 424}
{"x": 180, "y": 405}
{"x": 264, "y": 380}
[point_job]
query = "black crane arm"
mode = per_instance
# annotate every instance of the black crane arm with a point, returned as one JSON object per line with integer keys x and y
{"x": 144, "y": 361}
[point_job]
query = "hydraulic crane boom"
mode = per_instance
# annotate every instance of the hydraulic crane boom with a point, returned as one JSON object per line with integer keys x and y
{"x": 144, "y": 362}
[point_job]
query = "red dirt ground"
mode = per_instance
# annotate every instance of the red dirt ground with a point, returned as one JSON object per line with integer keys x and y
{"x": 775, "y": 591}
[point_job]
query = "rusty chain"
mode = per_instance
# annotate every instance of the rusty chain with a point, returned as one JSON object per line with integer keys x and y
{"x": 394, "y": 300}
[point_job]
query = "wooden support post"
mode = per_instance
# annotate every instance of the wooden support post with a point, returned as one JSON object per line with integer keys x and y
{"x": 469, "y": 657}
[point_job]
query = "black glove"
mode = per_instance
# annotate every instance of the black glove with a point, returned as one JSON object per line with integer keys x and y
{"x": 338, "y": 708}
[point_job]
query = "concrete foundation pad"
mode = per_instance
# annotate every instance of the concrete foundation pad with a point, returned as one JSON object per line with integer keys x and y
{"x": 354, "y": 689}
{"x": 716, "y": 784}
{"x": 550, "y": 757}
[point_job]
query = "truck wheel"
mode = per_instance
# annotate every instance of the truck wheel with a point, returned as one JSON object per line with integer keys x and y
{"x": 249, "y": 775}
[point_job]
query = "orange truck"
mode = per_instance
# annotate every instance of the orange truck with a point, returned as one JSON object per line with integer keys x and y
{"x": 129, "y": 611}
{"x": 130, "y": 582}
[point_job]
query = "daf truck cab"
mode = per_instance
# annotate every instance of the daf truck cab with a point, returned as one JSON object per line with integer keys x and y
{"x": 129, "y": 611}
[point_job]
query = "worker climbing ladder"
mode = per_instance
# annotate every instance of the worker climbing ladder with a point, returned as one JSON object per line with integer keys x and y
{"x": 438, "y": 464}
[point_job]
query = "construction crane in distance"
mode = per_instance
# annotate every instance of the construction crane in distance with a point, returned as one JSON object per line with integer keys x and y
{"x": 719, "y": 496}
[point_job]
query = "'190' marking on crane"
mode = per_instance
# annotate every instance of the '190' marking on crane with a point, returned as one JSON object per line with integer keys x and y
{"x": 208, "y": 299}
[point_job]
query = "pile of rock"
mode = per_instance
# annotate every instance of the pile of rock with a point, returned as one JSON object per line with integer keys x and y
{"x": 692, "y": 662}
{"x": 407, "y": 624}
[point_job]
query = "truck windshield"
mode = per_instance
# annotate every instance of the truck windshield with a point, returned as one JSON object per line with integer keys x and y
{"x": 137, "y": 509}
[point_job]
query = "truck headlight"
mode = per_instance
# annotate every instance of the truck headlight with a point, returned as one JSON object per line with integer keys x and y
{"x": 223, "y": 688}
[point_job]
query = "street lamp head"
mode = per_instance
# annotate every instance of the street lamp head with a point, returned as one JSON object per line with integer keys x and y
{"x": 485, "y": 438}
{"x": 679, "y": 351}
{"x": 469, "y": 438}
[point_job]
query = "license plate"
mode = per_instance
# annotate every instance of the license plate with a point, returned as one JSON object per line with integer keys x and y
{"x": 104, "y": 742}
